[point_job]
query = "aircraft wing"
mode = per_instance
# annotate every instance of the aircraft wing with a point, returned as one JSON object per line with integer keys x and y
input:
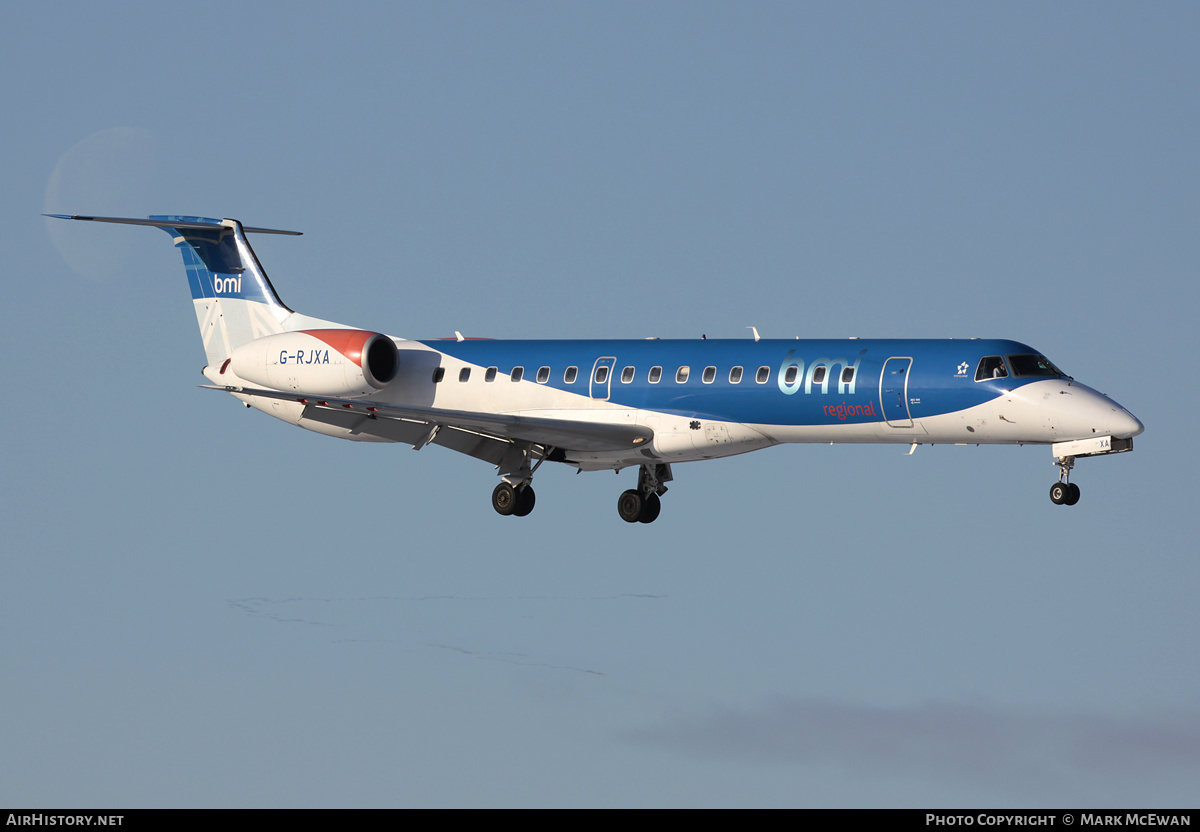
{"x": 567, "y": 434}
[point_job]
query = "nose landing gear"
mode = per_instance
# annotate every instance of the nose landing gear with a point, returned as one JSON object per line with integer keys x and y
{"x": 1064, "y": 492}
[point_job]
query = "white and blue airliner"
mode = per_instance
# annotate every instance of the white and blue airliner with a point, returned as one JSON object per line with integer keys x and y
{"x": 599, "y": 405}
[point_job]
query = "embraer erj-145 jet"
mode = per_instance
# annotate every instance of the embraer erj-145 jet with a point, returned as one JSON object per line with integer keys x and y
{"x": 599, "y": 405}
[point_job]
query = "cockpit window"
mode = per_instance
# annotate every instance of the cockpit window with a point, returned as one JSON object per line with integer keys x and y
{"x": 991, "y": 366}
{"x": 1033, "y": 365}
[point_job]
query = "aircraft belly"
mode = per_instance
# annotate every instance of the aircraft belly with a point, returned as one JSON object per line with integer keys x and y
{"x": 1008, "y": 419}
{"x": 286, "y": 411}
{"x": 353, "y": 426}
{"x": 864, "y": 432}
{"x": 677, "y": 439}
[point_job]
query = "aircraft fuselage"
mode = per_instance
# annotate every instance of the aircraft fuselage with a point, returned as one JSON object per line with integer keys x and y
{"x": 598, "y": 404}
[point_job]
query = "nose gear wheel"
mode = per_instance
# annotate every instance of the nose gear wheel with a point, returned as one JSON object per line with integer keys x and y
{"x": 1064, "y": 492}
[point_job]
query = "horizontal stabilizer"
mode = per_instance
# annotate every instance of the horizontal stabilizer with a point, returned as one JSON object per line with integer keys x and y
{"x": 172, "y": 222}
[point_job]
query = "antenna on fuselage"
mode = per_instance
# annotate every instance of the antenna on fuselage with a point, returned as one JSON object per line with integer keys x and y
{"x": 753, "y": 329}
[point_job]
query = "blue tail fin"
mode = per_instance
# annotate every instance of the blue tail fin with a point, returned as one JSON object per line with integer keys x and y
{"x": 219, "y": 260}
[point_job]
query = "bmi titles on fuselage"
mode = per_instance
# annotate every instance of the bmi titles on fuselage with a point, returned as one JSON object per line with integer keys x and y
{"x": 791, "y": 374}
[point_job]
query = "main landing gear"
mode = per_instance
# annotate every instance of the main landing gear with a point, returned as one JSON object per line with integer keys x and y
{"x": 642, "y": 504}
{"x": 637, "y": 505}
{"x": 514, "y": 495}
{"x": 1064, "y": 492}
{"x": 516, "y": 500}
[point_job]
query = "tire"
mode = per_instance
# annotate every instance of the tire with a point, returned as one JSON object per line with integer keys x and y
{"x": 651, "y": 506}
{"x": 504, "y": 499}
{"x": 1072, "y": 494}
{"x": 1058, "y": 493}
{"x": 525, "y": 500}
{"x": 629, "y": 506}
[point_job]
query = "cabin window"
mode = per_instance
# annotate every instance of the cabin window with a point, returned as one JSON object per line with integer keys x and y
{"x": 464, "y": 374}
{"x": 681, "y": 375}
{"x": 627, "y": 375}
{"x": 438, "y": 375}
{"x": 655, "y": 375}
{"x": 735, "y": 375}
{"x": 710, "y": 375}
{"x": 490, "y": 375}
{"x": 991, "y": 366}
{"x": 847, "y": 375}
{"x": 789, "y": 375}
{"x": 543, "y": 375}
{"x": 602, "y": 374}
{"x": 819, "y": 375}
{"x": 763, "y": 375}
{"x": 570, "y": 375}
{"x": 517, "y": 373}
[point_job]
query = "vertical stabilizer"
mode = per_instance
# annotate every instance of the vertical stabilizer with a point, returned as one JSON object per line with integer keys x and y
{"x": 235, "y": 302}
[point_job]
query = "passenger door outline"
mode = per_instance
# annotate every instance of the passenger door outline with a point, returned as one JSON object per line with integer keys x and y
{"x": 600, "y": 392}
{"x": 893, "y": 391}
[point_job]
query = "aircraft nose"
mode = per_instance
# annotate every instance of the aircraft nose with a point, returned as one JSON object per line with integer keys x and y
{"x": 1114, "y": 419}
{"x": 1128, "y": 425}
{"x": 1091, "y": 413}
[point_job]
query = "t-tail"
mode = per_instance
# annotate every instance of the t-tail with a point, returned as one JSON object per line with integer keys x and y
{"x": 234, "y": 300}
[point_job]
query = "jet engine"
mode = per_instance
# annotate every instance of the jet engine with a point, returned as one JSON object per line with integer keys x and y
{"x": 322, "y": 362}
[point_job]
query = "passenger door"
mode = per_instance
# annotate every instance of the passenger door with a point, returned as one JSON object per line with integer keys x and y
{"x": 893, "y": 392}
{"x": 600, "y": 382}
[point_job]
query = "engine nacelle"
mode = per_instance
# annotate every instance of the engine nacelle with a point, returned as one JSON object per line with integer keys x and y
{"x": 322, "y": 362}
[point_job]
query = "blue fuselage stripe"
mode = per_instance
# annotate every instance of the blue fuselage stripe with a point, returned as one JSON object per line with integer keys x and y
{"x": 941, "y": 378}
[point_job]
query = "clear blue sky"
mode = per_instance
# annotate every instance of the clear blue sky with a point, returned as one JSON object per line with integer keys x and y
{"x": 202, "y": 606}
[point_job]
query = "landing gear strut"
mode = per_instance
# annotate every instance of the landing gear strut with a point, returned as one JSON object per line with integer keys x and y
{"x": 642, "y": 504}
{"x": 1064, "y": 492}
